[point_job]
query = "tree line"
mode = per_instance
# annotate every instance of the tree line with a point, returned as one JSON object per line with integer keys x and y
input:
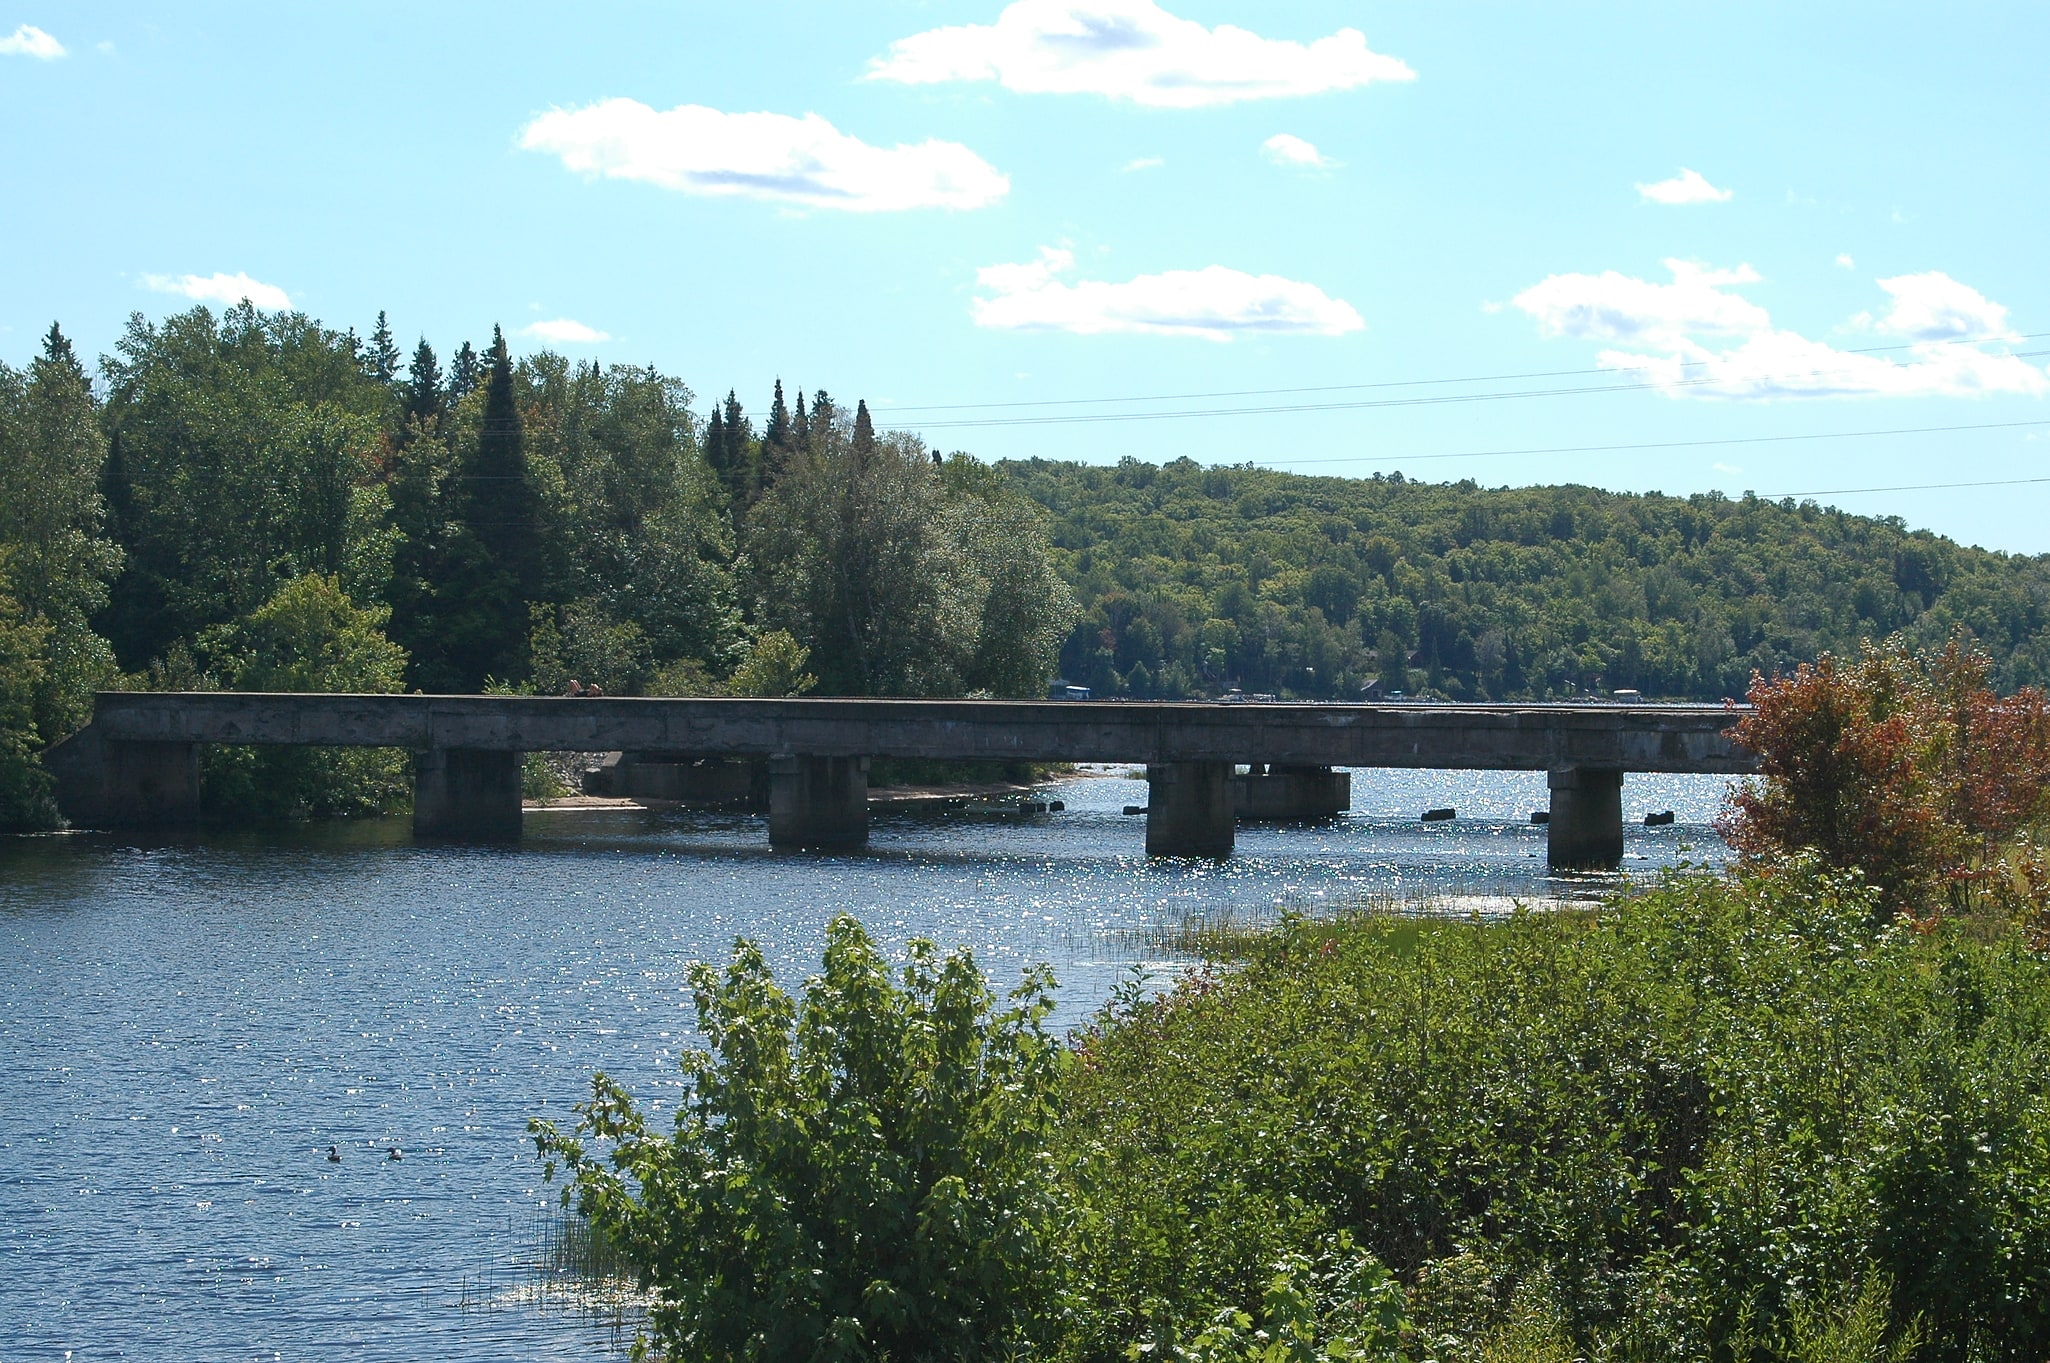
{"x": 259, "y": 501}
{"x": 1196, "y": 579}
{"x": 253, "y": 499}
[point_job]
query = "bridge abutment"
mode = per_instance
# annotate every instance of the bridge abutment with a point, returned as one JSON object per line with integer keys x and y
{"x": 1586, "y": 828}
{"x": 1189, "y": 809}
{"x": 818, "y": 801}
{"x": 472, "y": 794}
{"x": 1287, "y": 794}
{"x": 114, "y": 783}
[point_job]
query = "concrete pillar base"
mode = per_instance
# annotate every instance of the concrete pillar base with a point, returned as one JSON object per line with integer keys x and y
{"x": 1189, "y": 809}
{"x": 1291, "y": 794}
{"x": 1585, "y": 832}
{"x": 818, "y": 801}
{"x": 468, "y": 794}
{"x": 112, "y": 784}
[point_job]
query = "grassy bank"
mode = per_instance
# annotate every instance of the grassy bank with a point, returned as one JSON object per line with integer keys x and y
{"x": 1723, "y": 1119}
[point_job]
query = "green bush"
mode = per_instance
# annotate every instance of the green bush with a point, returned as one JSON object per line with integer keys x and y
{"x": 1695, "y": 1124}
{"x": 308, "y": 637}
{"x": 865, "y": 1174}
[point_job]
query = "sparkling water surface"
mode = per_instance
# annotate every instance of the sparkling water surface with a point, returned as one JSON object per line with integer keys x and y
{"x": 186, "y": 1027}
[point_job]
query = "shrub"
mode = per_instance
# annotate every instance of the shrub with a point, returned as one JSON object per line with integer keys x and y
{"x": 1699, "y": 1124}
{"x": 1911, "y": 769}
{"x": 867, "y": 1174}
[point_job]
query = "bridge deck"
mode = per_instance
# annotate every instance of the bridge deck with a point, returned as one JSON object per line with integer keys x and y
{"x": 1642, "y": 738}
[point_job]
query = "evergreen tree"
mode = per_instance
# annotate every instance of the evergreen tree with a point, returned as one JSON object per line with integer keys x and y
{"x": 778, "y": 431}
{"x": 495, "y": 558}
{"x": 864, "y": 431}
{"x": 384, "y": 355}
{"x": 801, "y": 427}
{"x": 423, "y": 396}
{"x": 462, "y": 374}
{"x": 736, "y": 456}
{"x": 715, "y": 444}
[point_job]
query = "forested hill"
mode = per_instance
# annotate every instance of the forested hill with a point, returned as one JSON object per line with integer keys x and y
{"x": 1196, "y": 578}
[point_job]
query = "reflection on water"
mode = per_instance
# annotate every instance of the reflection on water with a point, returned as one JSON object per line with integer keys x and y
{"x": 186, "y": 1027}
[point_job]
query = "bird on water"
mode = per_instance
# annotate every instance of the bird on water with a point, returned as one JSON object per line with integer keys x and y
{"x": 334, "y": 1156}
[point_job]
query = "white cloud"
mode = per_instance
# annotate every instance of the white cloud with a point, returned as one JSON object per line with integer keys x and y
{"x": 1616, "y": 307}
{"x": 1145, "y": 163}
{"x": 1697, "y": 337}
{"x": 1934, "y": 307}
{"x": 696, "y": 150}
{"x": 1844, "y": 260}
{"x": 1727, "y": 468}
{"x": 1286, "y": 149}
{"x": 226, "y": 289}
{"x": 1132, "y": 49}
{"x": 564, "y": 331}
{"x": 30, "y": 41}
{"x": 1214, "y": 303}
{"x": 1688, "y": 187}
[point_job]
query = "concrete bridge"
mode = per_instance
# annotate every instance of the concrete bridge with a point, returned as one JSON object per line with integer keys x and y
{"x": 138, "y": 761}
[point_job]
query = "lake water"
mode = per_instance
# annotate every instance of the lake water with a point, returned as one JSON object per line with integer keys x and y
{"x": 186, "y": 1027}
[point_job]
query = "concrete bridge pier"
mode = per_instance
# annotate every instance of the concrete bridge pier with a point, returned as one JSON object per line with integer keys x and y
{"x": 469, "y": 794}
{"x": 818, "y": 801}
{"x": 1586, "y": 828}
{"x": 1189, "y": 809}
{"x": 1290, "y": 794}
{"x": 114, "y": 783}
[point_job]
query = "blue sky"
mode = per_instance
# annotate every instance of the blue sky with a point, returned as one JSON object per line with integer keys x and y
{"x": 1746, "y": 223}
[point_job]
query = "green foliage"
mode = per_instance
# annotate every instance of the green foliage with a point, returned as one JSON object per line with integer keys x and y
{"x": 774, "y": 667}
{"x": 1353, "y": 1312}
{"x": 864, "y": 1174}
{"x": 25, "y": 787}
{"x": 900, "y": 577}
{"x": 51, "y": 524}
{"x": 308, "y": 637}
{"x": 236, "y": 451}
{"x": 1699, "y": 1124}
{"x": 1499, "y": 593}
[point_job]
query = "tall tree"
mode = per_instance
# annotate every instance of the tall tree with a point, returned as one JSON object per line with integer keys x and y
{"x": 495, "y": 560}
{"x": 864, "y": 430}
{"x": 51, "y": 543}
{"x": 462, "y": 374}
{"x": 777, "y": 432}
{"x": 424, "y": 402}
{"x": 384, "y": 354}
{"x": 801, "y": 426}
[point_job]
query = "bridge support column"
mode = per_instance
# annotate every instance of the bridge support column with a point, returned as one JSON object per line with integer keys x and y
{"x": 111, "y": 783}
{"x": 1287, "y": 794}
{"x": 471, "y": 794}
{"x": 818, "y": 801}
{"x": 1586, "y": 828}
{"x": 1189, "y": 809}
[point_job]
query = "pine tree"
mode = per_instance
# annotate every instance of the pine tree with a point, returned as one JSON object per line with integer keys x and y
{"x": 802, "y": 425}
{"x": 423, "y": 402}
{"x": 737, "y": 460}
{"x": 715, "y": 444}
{"x": 496, "y": 563}
{"x": 864, "y": 430}
{"x": 384, "y": 355}
{"x": 462, "y": 374}
{"x": 777, "y": 433}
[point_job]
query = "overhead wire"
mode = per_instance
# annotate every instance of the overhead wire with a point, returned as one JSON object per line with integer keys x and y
{"x": 1355, "y": 387}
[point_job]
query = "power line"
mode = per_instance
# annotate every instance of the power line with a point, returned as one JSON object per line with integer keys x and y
{"x": 1667, "y": 444}
{"x": 1909, "y": 487}
{"x": 1356, "y": 387}
{"x": 1093, "y": 418}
